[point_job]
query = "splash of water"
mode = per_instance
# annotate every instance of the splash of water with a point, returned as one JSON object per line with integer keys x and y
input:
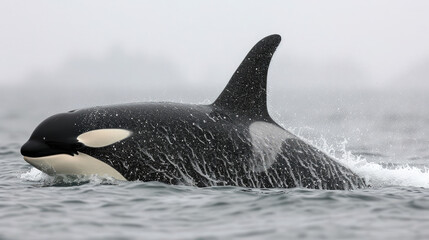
{"x": 35, "y": 175}
{"x": 375, "y": 174}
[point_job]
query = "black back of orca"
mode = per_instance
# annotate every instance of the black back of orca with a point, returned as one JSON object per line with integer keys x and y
{"x": 233, "y": 141}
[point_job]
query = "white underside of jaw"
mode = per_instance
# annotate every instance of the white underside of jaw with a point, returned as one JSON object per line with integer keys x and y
{"x": 80, "y": 164}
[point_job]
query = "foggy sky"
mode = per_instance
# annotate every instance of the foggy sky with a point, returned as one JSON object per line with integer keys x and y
{"x": 383, "y": 39}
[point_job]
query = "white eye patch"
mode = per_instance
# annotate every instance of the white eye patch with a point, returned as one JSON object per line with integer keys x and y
{"x": 103, "y": 137}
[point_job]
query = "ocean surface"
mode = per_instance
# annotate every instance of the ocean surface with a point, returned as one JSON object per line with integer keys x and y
{"x": 381, "y": 135}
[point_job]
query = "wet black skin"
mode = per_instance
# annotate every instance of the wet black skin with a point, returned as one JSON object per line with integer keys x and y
{"x": 202, "y": 145}
{"x": 56, "y": 135}
{"x": 189, "y": 144}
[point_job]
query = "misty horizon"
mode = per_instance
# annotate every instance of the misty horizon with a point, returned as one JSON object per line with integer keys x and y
{"x": 345, "y": 45}
{"x": 120, "y": 68}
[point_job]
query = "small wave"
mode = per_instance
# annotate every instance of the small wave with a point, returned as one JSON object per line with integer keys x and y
{"x": 10, "y": 149}
{"x": 379, "y": 175}
{"x": 376, "y": 174}
{"x": 37, "y": 176}
{"x": 368, "y": 154}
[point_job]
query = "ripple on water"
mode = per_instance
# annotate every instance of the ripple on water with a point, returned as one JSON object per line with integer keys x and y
{"x": 89, "y": 204}
{"x": 184, "y": 212}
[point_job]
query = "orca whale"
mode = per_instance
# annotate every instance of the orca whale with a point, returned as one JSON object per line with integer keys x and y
{"x": 232, "y": 141}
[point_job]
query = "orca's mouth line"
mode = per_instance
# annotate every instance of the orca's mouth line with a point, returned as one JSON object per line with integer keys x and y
{"x": 79, "y": 164}
{"x": 35, "y": 149}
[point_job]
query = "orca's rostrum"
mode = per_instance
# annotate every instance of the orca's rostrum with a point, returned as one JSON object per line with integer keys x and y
{"x": 233, "y": 141}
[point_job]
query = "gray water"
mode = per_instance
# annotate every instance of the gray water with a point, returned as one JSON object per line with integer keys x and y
{"x": 382, "y": 136}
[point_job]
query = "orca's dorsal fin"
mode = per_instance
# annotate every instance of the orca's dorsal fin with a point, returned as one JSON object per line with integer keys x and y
{"x": 246, "y": 92}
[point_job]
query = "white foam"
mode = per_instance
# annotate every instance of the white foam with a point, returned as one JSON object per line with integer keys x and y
{"x": 35, "y": 175}
{"x": 376, "y": 174}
